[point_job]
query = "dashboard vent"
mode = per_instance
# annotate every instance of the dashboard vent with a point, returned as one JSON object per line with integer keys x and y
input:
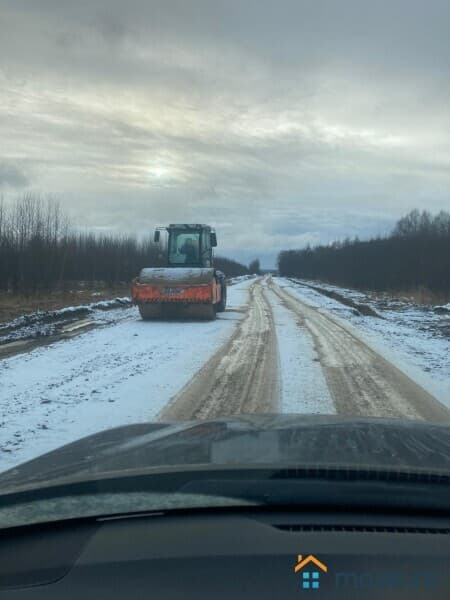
{"x": 364, "y": 529}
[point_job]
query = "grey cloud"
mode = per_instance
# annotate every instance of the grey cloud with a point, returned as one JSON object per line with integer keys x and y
{"x": 284, "y": 122}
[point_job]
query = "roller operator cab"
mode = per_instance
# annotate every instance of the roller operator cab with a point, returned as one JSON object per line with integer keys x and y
{"x": 189, "y": 285}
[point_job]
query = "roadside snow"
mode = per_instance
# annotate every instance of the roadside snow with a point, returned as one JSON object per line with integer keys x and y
{"x": 122, "y": 373}
{"x": 411, "y": 337}
{"x": 442, "y": 309}
{"x": 303, "y": 386}
{"x": 240, "y": 279}
{"x": 48, "y": 323}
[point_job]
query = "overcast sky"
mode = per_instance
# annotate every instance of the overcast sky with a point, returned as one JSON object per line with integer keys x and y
{"x": 281, "y": 122}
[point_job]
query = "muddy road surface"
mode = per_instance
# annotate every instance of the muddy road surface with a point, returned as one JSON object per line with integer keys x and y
{"x": 242, "y": 377}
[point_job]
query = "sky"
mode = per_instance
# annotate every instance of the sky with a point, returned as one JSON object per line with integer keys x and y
{"x": 281, "y": 123}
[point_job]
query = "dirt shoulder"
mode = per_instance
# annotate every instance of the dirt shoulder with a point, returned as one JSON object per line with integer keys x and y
{"x": 17, "y": 305}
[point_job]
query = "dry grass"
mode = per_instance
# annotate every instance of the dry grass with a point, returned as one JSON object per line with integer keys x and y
{"x": 16, "y": 305}
{"x": 420, "y": 295}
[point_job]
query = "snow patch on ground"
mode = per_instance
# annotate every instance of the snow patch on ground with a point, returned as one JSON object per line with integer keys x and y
{"x": 445, "y": 308}
{"x": 240, "y": 279}
{"x": 48, "y": 323}
{"x": 303, "y": 385}
{"x": 410, "y": 336}
{"x": 122, "y": 373}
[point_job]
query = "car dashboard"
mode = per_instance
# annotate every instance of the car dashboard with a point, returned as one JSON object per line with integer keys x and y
{"x": 230, "y": 554}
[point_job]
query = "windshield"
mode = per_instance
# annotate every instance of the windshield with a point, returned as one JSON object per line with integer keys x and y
{"x": 224, "y": 240}
{"x": 184, "y": 248}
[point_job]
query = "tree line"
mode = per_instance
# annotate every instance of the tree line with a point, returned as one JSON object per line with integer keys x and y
{"x": 416, "y": 254}
{"x": 254, "y": 267}
{"x": 230, "y": 267}
{"x": 40, "y": 250}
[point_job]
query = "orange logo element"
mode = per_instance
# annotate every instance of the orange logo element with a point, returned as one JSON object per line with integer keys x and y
{"x": 302, "y": 562}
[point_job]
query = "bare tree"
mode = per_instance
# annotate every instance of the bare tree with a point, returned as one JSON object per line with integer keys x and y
{"x": 40, "y": 250}
{"x": 416, "y": 255}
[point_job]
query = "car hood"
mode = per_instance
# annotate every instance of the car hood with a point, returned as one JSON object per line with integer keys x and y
{"x": 256, "y": 440}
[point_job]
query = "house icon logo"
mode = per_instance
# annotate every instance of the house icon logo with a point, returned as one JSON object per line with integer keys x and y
{"x": 309, "y": 569}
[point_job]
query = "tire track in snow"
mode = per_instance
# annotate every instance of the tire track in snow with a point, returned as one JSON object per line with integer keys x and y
{"x": 303, "y": 385}
{"x": 242, "y": 377}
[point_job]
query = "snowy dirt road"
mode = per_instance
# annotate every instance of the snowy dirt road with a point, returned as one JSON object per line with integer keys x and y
{"x": 360, "y": 380}
{"x": 286, "y": 356}
{"x": 269, "y": 352}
